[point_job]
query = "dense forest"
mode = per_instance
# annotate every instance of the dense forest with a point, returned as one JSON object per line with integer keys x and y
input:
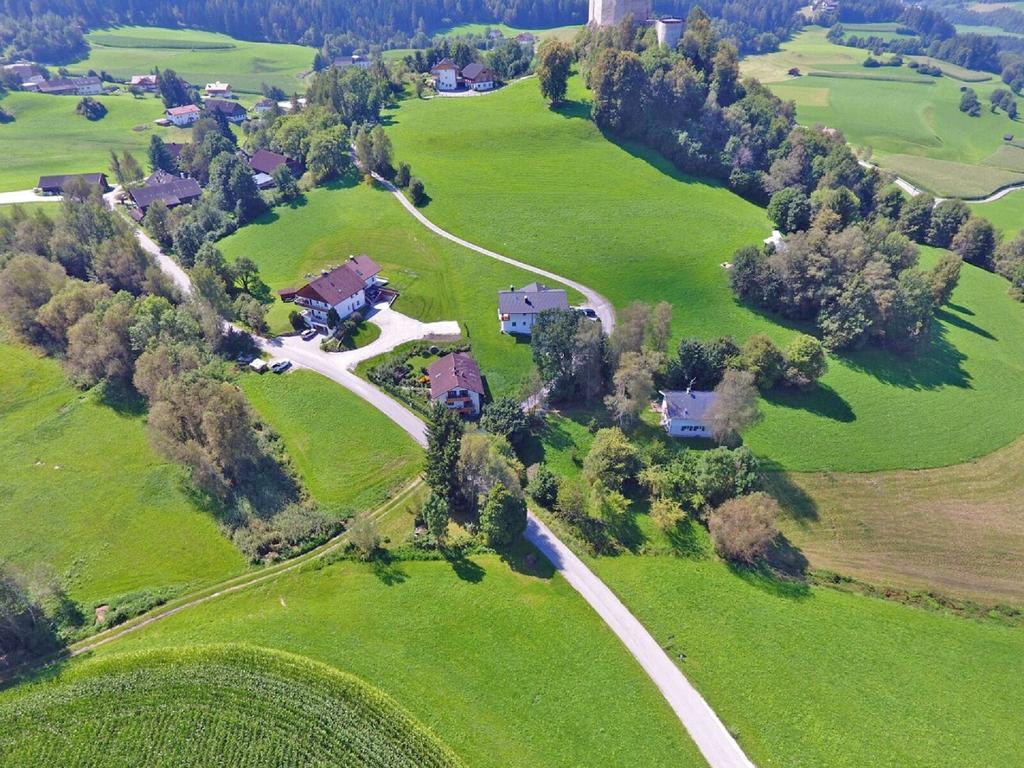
{"x": 51, "y": 30}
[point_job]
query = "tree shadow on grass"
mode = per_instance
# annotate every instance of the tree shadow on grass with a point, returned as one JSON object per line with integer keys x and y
{"x": 121, "y": 398}
{"x": 526, "y": 559}
{"x": 464, "y": 568}
{"x": 821, "y": 401}
{"x": 781, "y": 572}
{"x": 959, "y": 322}
{"x": 793, "y": 499}
{"x": 389, "y": 570}
{"x": 937, "y": 363}
{"x": 960, "y": 308}
{"x": 687, "y": 539}
{"x": 573, "y": 109}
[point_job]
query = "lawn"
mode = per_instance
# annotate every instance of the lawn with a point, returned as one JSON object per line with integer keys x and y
{"x": 1006, "y": 213}
{"x": 349, "y": 454}
{"x": 47, "y": 137}
{"x": 436, "y": 279}
{"x": 510, "y": 670}
{"x": 825, "y": 678}
{"x": 228, "y": 704}
{"x": 955, "y": 530}
{"x": 563, "y": 197}
{"x": 199, "y": 57}
{"x": 85, "y": 496}
{"x": 559, "y": 33}
{"x": 924, "y": 136}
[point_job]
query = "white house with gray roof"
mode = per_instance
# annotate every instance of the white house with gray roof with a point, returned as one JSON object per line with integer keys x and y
{"x": 518, "y": 309}
{"x": 684, "y": 414}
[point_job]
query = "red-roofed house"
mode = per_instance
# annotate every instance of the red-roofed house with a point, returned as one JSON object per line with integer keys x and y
{"x": 182, "y": 116}
{"x": 342, "y": 289}
{"x": 455, "y": 381}
{"x": 446, "y": 75}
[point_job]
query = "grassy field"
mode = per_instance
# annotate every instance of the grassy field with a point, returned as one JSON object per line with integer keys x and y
{"x": 227, "y": 705}
{"x": 925, "y": 137}
{"x": 84, "y": 495}
{"x": 349, "y": 454}
{"x": 437, "y": 280}
{"x": 819, "y": 677}
{"x": 1006, "y": 213}
{"x": 620, "y": 220}
{"x": 509, "y": 669}
{"x": 559, "y": 33}
{"x": 957, "y": 530}
{"x": 199, "y": 57}
{"x": 47, "y": 137}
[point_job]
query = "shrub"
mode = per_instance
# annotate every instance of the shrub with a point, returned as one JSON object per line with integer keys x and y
{"x": 666, "y": 513}
{"x": 743, "y": 528}
{"x": 403, "y": 175}
{"x": 417, "y": 192}
{"x": 90, "y": 109}
{"x": 763, "y": 359}
{"x": 613, "y": 460}
{"x": 805, "y": 362}
{"x": 544, "y": 487}
{"x": 503, "y": 518}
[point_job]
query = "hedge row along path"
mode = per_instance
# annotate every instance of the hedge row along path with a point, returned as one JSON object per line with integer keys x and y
{"x": 715, "y": 742}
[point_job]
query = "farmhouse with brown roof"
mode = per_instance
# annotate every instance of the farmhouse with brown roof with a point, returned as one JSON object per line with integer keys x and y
{"x": 342, "y": 289}
{"x": 455, "y": 380}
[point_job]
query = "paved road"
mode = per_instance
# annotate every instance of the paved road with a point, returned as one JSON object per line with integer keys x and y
{"x": 604, "y": 309}
{"x": 170, "y": 267}
{"x": 27, "y": 196}
{"x": 913, "y": 191}
{"x": 719, "y": 748}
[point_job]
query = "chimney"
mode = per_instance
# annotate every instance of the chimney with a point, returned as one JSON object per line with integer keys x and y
{"x": 512, "y": 288}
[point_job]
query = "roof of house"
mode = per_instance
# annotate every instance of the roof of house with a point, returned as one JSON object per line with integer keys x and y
{"x": 174, "y": 149}
{"x": 218, "y": 86}
{"x": 455, "y": 371}
{"x": 173, "y": 193}
{"x": 68, "y": 83}
{"x": 444, "y": 63}
{"x": 525, "y": 37}
{"x": 55, "y": 182}
{"x": 333, "y": 288}
{"x": 347, "y": 61}
{"x": 363, "y": 266}
{"x": 268, "y": 103}
{"x": 225, "y": 107}
{"x": 265, "y": 161}
{"x": 477, "y": 71}
{"x": 142, "y": 79}
{"x": 187, "y": 109}
{"x": 159, "y": 176}
{"x": 531, "y": 299}
{"x": 687, "y": 405}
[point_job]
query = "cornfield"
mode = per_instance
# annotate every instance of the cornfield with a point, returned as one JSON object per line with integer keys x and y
{"x": 231, "y": 705}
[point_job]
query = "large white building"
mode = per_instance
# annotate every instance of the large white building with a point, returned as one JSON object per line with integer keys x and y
{"x": 342, "y": 289}
{"x": 608, "y": 13}
{"x": 518, "y": 310}
{"x": 684, "y": 414}
{"x": 182, "y": 116}
{"x": 446, "y": 75}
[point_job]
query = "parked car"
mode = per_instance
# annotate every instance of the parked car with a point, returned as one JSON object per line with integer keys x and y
{"x": 309, "y": 333}
{"x": 587, "y": 312}
{"x": 258, "y": 365}
{"x": 280, "y": 366}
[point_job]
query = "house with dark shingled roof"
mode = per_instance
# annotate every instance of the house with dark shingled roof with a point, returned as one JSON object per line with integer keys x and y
{"x": 455, "y": 380}
{"x": 518, "y": 309}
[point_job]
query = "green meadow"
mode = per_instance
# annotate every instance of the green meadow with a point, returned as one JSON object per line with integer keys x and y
{"x": 349, "y": 454}
{"x": 546, "y": 187}
{"x": 85, "y": 496}
{"x": 199, "y": 57}
{"x": 48, "y": 138}
{"x": 436, "y": 279}
{"x": 559, "y": 33}
{"x": 227, "y": 704}
{"x": 924, "y": 136}
{"x": 816, "y": 677}
{"x": 509, "y": 669}
{"x": 1006, "y": 213}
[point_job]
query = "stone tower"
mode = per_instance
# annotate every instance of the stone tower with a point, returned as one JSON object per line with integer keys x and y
{"x": 608, "y": 13}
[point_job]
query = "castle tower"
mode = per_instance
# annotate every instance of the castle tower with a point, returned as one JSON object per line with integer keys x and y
{"x": 608, "y": 13}
{"x": 669, "y": 31}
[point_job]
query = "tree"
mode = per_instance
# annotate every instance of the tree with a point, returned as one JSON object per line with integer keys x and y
{"x": 947, "y": 218}
{"x": 417, "y": 192}
{"x": 381, "y": 152}
{"x": 554, "y": 348}
{"x": 762, "y": 358}
{"x": 916, "y": 217}
{"x": 554, "y": 61}
{"x": 943, "y": 278}
{"x": 444, "y": 438}
{"x": 699, "y": 364}
{"x": 362, "y": 146}
{"x": 26, "y": 284}
{"x": 976, "y": 242}
{"x": 969, "y": 102}
{"x": 115, "y": 167}
{"x": 67, "y": 306}
{"x": 661, "y": 326}
{"x": 805, "y": 362}
{"x": 328, "y": 153}
{"x": 484, "y": 461}
{"x": 91, "y": 109}
{"x": 246, "y": 273}
{"x": 159, "y": 155}
{"x": 666, "y": 513}
{"x": 742, "y": 529}
{"x": 130, "y": 168}
{"x": 790, "y": 210}
{"x": 436, "y": 515}
{"x": 544, "y": 487}
{"x": 100, "y": 344}
{"x": 287, "y": 186}
{"x": 734, "y": 407}
{"x": 503, "y": 519}
{"x": 121, "y": 263}
{"x": 403, "y": 175}
{"x": 612, "y": 460}
{"x": 504, "y": 417}
{"x": 630, "y": 329}
{"x": 364, "y": 535}
{"x": 632, "y": 385}
{"x": 158, "y": 222}
{"x": 173, "y": 90}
